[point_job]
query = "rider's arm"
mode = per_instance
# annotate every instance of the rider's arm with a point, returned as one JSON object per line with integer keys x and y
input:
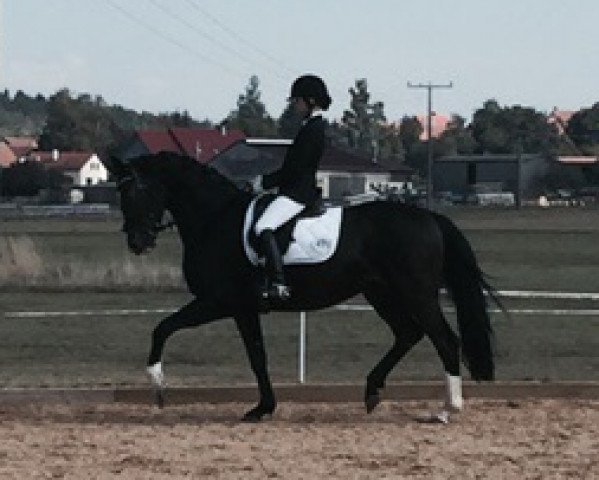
{"x": 299, "y": 159}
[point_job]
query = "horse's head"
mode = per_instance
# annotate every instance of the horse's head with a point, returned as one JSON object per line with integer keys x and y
{"x": 142, "y": 204}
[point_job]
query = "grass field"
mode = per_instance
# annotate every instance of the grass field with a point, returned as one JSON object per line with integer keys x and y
{"x": 342, "y": 346}
{"x": 554, "y": 250}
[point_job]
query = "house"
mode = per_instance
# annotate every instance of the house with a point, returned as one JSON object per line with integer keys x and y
{"x": 83, "y": 168}
{"x": 199, "y": 143}
{"x": 14, "y": 148}
{"x": 560, "y": 119}
{"x": 341, "y": 174}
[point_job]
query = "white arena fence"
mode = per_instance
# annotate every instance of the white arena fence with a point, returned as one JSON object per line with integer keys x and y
{"x": 515, "y": 294}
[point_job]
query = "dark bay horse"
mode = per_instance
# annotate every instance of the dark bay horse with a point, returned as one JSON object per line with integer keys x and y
{"x": 397, "y": 256}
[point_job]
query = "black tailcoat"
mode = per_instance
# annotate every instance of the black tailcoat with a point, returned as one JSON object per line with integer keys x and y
{"x": 296, "y": 178}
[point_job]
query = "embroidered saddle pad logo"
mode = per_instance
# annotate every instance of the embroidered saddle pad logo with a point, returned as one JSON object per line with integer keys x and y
{"x": 314, "y": 239}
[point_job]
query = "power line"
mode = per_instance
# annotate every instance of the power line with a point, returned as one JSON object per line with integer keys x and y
{"x": 203, "y": 34}
{"x": 171, "y": 40}
{"x": 239, "y": 38}
{"x": 429, "y": 183}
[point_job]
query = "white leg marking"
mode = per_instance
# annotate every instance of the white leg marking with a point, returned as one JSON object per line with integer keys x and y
{"x": 156, "y": 375}
{"x": 442, "y": 417}
{"x": 454, "y": 400}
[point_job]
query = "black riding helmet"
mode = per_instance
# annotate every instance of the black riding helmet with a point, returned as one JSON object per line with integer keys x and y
{"x": 312, "y": 89}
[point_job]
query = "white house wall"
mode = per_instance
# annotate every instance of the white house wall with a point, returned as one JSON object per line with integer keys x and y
{"x": 323, "y": 180}
{"x": 378, "y": 179}
{"x": 93, "y": 169}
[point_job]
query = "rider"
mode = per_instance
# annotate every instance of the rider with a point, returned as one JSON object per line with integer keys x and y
{"x": 296, "y": 179}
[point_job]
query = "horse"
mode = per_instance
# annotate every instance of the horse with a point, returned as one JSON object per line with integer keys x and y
{"x": 397, "y": 256}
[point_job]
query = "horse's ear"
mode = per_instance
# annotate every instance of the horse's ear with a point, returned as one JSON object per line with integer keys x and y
{"x": 117, "y": 167}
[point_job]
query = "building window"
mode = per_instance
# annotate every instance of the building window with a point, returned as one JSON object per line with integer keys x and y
{"x": 343, "y": 186}
{"x": 89, "y": 181}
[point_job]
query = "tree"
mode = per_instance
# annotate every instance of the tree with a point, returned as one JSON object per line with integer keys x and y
{"x": 410, "y": 130}
{"x": 61, "y": 124}
{"x": 21, "y": 115}
{"x": 363, "y": 121}
{"x": 415, "y": 150}
{"x": 583, "y": 129}
{"x": 456, "y": 139}
{"x": 82, "y": 123}
{"x": 390, "y": 144}
{"x": 512, "y": 130}
{"x": 251, "y": 116}
{"x": 28, "y": 178}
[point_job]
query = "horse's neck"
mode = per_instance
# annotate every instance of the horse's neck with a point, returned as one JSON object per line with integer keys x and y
{"x": 196, "y": 210}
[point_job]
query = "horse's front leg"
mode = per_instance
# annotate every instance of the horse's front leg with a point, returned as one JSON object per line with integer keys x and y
{"x": 193, "y": 314}
{"x": 251, "y": 334}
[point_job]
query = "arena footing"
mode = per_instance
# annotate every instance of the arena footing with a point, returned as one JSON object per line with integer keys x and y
{"x": 307, "y": 393}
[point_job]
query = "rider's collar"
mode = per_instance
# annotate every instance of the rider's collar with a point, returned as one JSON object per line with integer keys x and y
{"x": 313, "y": 114}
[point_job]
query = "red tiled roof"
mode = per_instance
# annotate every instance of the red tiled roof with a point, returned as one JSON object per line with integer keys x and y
{"x": 438, "y": 125}
{"x": 7, "y": 156}
{"x": 560, "y": 118}
{"x": 21, "y": 151}
{"x": 20, "y": 147}
{"x": 67, "y": 161}
{"x": 157, "y": 141}
{"x": 203, "y": 144}
{"x": 21, "y": 142}
{"x": 199, "y": 143}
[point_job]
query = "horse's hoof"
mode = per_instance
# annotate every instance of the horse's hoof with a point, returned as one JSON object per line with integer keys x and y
{"x": 256, "y": 415}
{"x": 371, "y": 402}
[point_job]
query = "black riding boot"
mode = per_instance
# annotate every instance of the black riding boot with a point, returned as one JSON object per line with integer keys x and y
{"x": 275, "y": 287}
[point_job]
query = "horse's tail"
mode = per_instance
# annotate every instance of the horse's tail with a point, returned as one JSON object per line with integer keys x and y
{"x": 467, "y": 286}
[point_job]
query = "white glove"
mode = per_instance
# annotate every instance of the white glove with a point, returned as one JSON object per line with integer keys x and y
{"x": 257, "y": 184}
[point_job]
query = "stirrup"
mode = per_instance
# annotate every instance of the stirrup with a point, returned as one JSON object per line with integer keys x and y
{"x": 277, "y": 291}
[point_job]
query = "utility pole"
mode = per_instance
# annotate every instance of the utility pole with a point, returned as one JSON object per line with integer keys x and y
{"x": 429, "y": 182}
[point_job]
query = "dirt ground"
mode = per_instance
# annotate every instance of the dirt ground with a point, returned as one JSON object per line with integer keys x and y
{"x": 544, "y": 439}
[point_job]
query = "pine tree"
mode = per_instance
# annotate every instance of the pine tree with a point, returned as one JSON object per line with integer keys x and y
{"x": 251, "y": 116}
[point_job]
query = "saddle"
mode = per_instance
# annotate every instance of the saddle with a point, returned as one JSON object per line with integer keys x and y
{"x": 311, "y": 236}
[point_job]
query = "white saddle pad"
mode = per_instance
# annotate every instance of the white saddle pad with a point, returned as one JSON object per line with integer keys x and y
{"x": 314, "y": 239}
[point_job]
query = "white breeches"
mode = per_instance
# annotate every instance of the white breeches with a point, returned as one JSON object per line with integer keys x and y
{"x": 277, "y": 213}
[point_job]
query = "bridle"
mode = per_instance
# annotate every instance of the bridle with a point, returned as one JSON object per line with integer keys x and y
{"x": 156, "y": 225}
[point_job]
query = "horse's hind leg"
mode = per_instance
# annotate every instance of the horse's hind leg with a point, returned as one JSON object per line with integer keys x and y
{"x": 250, "y": 329}
{"x": 407, "y": 334}
{"x": 447, "y": 344}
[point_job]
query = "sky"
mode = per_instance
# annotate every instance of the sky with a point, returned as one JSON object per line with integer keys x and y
{"x": 198, "y": 55}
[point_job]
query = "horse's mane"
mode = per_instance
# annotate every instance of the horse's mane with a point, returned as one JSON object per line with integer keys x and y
{"x": 173, "y": 166}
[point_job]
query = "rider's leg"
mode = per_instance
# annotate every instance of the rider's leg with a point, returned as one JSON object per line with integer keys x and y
{"x": 276, "y": 214}
{"x": 277, "y": 287}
